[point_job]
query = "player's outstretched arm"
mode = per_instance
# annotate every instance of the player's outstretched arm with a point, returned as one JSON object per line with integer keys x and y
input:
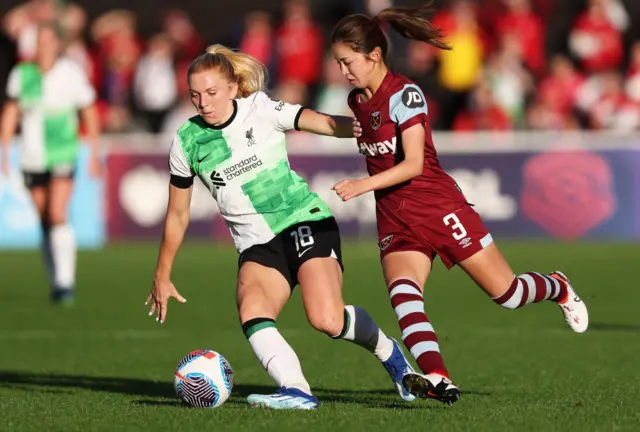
{"x": 176, "y": 223}
{"x": 324, "y": 124}
{"x": 92, "y": 124}
{"x": 8, "y": 127}
{"x": 412, "y": 165}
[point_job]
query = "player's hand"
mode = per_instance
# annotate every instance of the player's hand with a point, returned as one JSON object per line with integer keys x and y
{"x": 161, "y": 292}
{"x": 348, "y": 189}
{"x": 95, "y": 167}
{"x": 357, "y": 128}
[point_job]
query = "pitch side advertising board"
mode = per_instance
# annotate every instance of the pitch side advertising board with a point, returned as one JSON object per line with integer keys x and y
{"x": 19, "y": 223}
{"x": 523, "y": 186}
{"x": 566, "y": 192}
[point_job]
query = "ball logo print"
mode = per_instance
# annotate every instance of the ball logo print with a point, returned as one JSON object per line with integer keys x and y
{"x": 203, "y": 379}
{"x": 412, "y": 98}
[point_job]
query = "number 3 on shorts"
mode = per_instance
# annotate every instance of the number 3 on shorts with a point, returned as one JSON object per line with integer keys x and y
{"x": 458, "y": 229}
{"x": 303, "y": 237}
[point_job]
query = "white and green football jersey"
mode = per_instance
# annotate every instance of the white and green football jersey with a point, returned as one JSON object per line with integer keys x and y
{"x": 245, "y": 166}
{"x": 49, "y": 104}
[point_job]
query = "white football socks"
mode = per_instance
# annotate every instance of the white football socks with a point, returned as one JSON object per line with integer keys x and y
{"x": 63, "y": 248}
{"x": 276, "y": 356}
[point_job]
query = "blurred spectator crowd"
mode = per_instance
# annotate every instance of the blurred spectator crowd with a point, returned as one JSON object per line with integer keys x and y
{"x": 499, "y": 76}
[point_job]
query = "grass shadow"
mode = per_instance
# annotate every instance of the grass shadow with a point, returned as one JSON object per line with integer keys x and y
{"x": 619, "y": 328}
{"x": 126, "y": 386}
{"x": 160, "y": 403}
{"x": 154, "y": 392}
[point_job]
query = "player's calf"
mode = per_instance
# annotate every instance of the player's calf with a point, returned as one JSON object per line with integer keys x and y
{"x": 329, "y": 322}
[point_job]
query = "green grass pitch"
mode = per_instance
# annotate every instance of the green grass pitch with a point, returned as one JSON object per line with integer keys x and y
{"x": 106, "y": 365}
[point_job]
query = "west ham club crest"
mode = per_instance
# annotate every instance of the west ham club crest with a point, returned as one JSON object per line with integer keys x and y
{"x": 375, "y": 120}
{"x": 386, "y": 242}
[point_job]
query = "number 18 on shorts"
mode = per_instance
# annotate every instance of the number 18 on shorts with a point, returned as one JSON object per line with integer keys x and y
{"x": 296, "y": 245}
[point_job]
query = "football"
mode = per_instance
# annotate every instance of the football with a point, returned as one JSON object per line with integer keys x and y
{"x": 204, "y": 379}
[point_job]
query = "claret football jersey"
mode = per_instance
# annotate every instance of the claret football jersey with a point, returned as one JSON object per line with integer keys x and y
{"x": 398, "y": 105}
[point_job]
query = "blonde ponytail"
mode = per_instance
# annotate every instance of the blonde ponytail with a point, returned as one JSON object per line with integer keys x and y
{"x": 238, "y": 67}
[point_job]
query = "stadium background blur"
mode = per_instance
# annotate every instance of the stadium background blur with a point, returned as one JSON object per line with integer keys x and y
{"x": 537, "y": 117}
{"x": 528, "y": 84}
{"x": 518, "y": 64}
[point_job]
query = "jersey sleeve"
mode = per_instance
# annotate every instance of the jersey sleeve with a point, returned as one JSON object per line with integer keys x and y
{"x": 84, "y": 93}
{"x": 179, "y": 168}
{"x": 284, "y": 116}
{"x": 408, "y": 107}
{"x": 13, "y": 84}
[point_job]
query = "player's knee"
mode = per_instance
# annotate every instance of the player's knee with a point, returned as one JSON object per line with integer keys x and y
{"x": 43, "y": 213}
{"x": 56, "y": 217}
{"x": 45, "y": 224}
{"x": 329, "y": 322}
{"x": 57, "y": 210}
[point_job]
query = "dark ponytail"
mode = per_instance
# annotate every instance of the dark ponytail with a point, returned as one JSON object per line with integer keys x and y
{"x": 413, "y": 24}
{"x": 363, "y": 33}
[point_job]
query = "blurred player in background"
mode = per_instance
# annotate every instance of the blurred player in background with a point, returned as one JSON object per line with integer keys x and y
{"x": 421, "y": 211}
{"x": 285, "y": 234}
{"x": 45, "y": 97}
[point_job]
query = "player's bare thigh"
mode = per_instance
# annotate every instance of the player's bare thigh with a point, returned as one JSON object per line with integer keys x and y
{"x": 60, "y": 190}
{"x": 261, "y": 292}
{"x": 39, "y": 196}
{"x": 490, "y": 270}
{"x": 412, "y": 265}
{"x": 320, "y": 282}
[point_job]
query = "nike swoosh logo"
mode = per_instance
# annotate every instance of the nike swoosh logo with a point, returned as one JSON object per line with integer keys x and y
{"x": 304, "y": 252}
{"x": 267, "y": 366}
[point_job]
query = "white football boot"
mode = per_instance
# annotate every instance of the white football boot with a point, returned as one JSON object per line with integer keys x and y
{"x": 574, "y": 310}
{"x": 284, "y": 399}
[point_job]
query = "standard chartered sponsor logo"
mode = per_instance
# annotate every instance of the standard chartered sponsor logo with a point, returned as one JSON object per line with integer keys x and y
{"x": 242, "y": 167}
